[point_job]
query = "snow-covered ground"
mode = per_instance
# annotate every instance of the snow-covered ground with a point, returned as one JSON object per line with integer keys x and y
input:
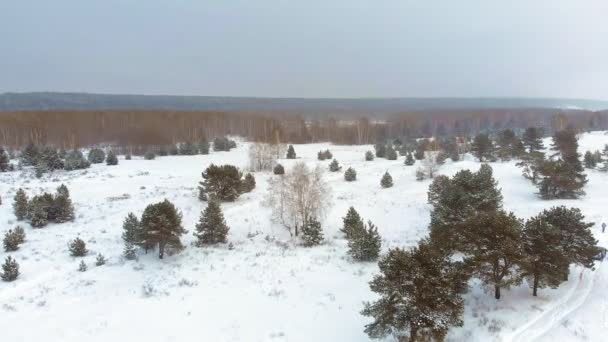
{"x": 266, "y": 288}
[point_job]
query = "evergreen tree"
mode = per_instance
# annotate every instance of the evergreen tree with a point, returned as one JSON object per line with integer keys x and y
{"x": 29, "y": 155}
{"x": 590, "y": 160}
{"x": 188, "y": 149}
{"x": 100, "y": 260}
{"x": 545, "y": 260}
{"x": 321, "y": 155}
{"x": 350, "y": 175}
{"x": 532, "y": 139}
{"x": 334, "y": 166}
{"x": 62, "y": 206}
{"x": 409, "y": 159}
{"x": 75, "y": 161}
{"x": 369, "y": 156}
{"x": 78, "y": 248}
{"x": 10, "y": 269}
{"x": 506, "y": 145}
{"x": 203, "y": 146}
{"x": 352, "y": 224}
{"x": 161, "y": 225}
{"x": 129, "y": 251}
{"x": 365, "y": 244}
{"x": 604, "y": 167}
{"x": 4, "y": 161}
{"x": 49, "y": 159}
{"x": 131, "y": 234}
{"x": 312, "y": 233}
{"x": 11, "y": 241}
{"x": 37, "y": 213}
{"x": 20, "y": 234}
{"x": 483, "y": 148}
{"x": 96, "y": 156}
{"x": 162, "y": 151}
{"x": 531, "y": 164}
{"x": 278, "y": 170}
{"x": 20, "y": 205}
{"x": 128, "y": 156}
{"x": 291, "y": 153}
{"x": 487, "y": 195}
{"x": 494, "y": 249}
{"x": 111, "y": 159}
{"x": 82, "y": 267}
{"x": 380, "y": 150}
{"x": 391, "y": 154}
{"x": 211, "y": 228}
{"x": 150, "y": 155}
{"x": 420, "y": 292}
{"x": 387, "y": 180}
{"x": 173, "y": 150}
{"x": 222, "y": 182}
{"x": 248, "y": 183}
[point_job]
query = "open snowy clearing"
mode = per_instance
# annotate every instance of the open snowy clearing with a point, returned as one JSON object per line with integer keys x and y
{"x": 266, "y": 288}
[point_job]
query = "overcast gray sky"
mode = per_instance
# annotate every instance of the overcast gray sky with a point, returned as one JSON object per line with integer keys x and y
{"x": 311, "y": 48}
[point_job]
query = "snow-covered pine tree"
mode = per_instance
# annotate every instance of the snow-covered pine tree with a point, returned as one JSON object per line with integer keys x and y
{"x": 211, "y": 228}
{"x": 62, "y": 205}
{"x": 111, "y": 159}
{"x": 11, "y": 241}
{"x": 161, "y": 225}
{"x": 312, "y": 233}
{"x": 545, "y": 261}
{"x": 188, "y": 149}
{"x": 380, "y": 150}
{"x": 77, "y": 247}
{"x": 409, "y": 159}
{"x": 37, "y": 213}
{"x": 532, "y": 139}
{"x": 291, "y": 152}
{"x": 365, "y": 245}
{"x": 20, "y": 204}
{"x": 387, "y": 180}
{"x": 350, "y": 175}
{"x": 369, "y": 156}
{"x": 487, "y": 195}
{"x": 420, "y": 292}
{"x": 278, "y": 170}
{"x": 334, "y": 166}
{"x": 352, "y": 223}
{"x": 130, "y": 235}
{"x": 20, "y": 234}
{"x": 75, "y": 161}
{"x": 100, "y": 260}
{"x": 10, "y": 269}
{"x": 390, "y": 153}
{"x": 96, "y": 156}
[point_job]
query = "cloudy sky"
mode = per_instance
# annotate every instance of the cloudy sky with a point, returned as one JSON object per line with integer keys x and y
{"x": 312, "y": 48}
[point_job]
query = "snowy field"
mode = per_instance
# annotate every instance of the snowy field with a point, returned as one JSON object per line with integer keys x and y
{"x": 266, "y": 288}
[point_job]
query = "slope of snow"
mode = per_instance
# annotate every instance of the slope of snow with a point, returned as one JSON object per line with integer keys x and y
{"x": 266, "y": 288}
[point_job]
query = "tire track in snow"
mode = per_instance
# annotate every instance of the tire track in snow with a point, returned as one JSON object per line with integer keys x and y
{"x": 544, "y": 322}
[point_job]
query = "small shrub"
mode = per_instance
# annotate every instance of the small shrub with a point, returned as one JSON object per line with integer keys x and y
{"x": 10, "y": 269}
{"x": 278, "y": 170}
{"x": 369, "y": 156}
{"x": 334, "y": 166}
{"x": 350, "y": 175}
{"x": 101, "y": 260}
{"x": 78, "y": 248}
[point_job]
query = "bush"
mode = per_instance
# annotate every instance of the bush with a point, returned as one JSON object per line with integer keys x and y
{"x": 96, "y": 156}
{"x": 78, "y": 248}
{"x": 369, "y": 156}
{"x": 409, "y": 159}
{"x": 279, "y": 170}
{"x": 100, "y": 261}
{"x": 149, "y": 155}
{"x": 334, "y": 166}
{"x": 223, "y": 144}
{"x": 323, "y": 155}
{"x": 13, "y": 238}
{"x": 10, "y": 269}
{"x": 291, "y": 153}
{"x": 20, "y": 206}
{"x": 387, "y": 180}
{"x": 350, "y": 175}
{"x": 391, "y": 154}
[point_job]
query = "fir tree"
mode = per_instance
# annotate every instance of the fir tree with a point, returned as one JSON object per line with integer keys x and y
{"x": 334, "y": 166}
{"x": 78, "y": 248}
{"x": 312, "y": 233}
{"x": 387, "y": 180}
{"x": 391, "y": 154}
{"x": 82, "y": 267}
{"x": 352, "y": 224}
{"x": 420, "y": 292}
{"x": 111, "y": 159}
{"x": 10, "y": 269}
{"x": 380, "y": 150}
{"x": 409, "y": 159}
{"x": 131, "y": 231}
{"x": 4, "y": 162}
{"x": 365, "y": 244}
{"x": 291, "y": 153}
{"x": 369, "y": 156}
{"x": 350, "y": 175}
{"x": 211, "y": 228}
{"x": 20, "y": 204}
{"x": 278, "y": 169}
{"x": 494, "y": 249}
{"x": 532, "y": 139}
{"x": 96, "y": 156}
{"x": 483, "y": 148}
{"x": 545, "y": 260}
{"x": 248, "y": 183}
{"x": 221, "y": 182}
{"x": 161, "y": 225}
{"x": 100, "y": 260}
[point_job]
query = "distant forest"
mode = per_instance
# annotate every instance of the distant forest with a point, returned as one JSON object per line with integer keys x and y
{"x": 78, "y": 128}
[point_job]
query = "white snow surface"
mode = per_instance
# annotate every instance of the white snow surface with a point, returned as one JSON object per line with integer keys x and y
{"x": 266, "y": 288}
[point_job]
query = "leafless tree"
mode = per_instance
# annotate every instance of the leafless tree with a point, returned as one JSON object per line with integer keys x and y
{"x": 297, "y": 196}
{"x": 263, "y": 157}
{"x": 429, "y": 167}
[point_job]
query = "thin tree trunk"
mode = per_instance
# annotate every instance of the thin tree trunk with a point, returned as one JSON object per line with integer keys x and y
{"x": 413, "y": 334}
{"x": 496, "y": 291}
{"x": 535, "y": 285}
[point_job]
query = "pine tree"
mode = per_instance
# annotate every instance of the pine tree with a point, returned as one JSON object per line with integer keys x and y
{"x": 380, "y": 150}
{"x": 62, "y": 205}
{"x": 494, "y": 249}
{"x": 409, "y": 159}
{"x": 163, "y": 151}
{"x": 37, "y": 213}
{"x": 20, "y": 234}
{"x": 150, "y": 155}
{"x": 387, "y": 180}
{"x": 82, "y": 267}
{"x": 161, "y": 225}
{"x": 129, "y": 251}
{"x": 369, "y": 156}
{"x": 365, "y": 245}
{"x": 11, "y": 241}
{"x": 211, "y": 228}
{"x": 78, "y": 248}
{"x": 564, "y": 177}
{"x": 391, "y": 154}
{"x": 506, "y": 145}
{"x": 483, "y": 148}
{"x": 4, "y": 161}
{"x": 222, "y": 182}
{"x": 420, "y": 292}
{"x": 532, "y": 139}
{"x": 100, "y": 260}
{"x": 312, "y": 233}
{"x": 75, "y": 161}
{"x": 334, "y": 166}
{"x": 203, "y": 146}
{"x": 545, "y": 260}
{"x": 350, "y": 175}
{"x": 291, "y": 153}
{"x": 487, "y": 195}
{"x": 20, "y": 204}
{"x": 111, "y": 159}
{"x": 29, "y": 155}
{"x": 49, "y": 159}
{"x": 248, "y": 183}
{"x": 131, "y": 233}
{"x": 278, "y": 170}
{"x": 96, "y": 156}
{"x": 10, "y": 269}
{"x": 352, "y": 223}
{"x": 128, "y": 156}
{"x": 173, "y": 150}
{"x": 590, "y": 160}
{"x": 188, "y": 149}
{"x": 604, "y": 167}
